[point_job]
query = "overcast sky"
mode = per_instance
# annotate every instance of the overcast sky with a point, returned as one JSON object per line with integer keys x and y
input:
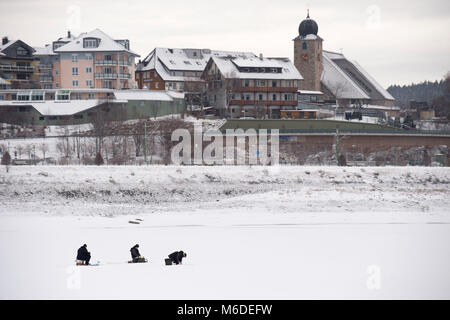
{"x": 398, "y": 42}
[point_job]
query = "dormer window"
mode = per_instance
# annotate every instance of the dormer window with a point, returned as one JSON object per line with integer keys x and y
{"x": 304, "y": 46}
{"x": 21, "y": 51}
{"x": 90, "y": 43}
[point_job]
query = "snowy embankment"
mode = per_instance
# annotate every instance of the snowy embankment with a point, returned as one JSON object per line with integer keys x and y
{"x": 89, "y": 190}
{"x": 250, "y": 232}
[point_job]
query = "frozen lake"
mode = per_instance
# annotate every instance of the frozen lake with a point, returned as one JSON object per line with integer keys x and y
{"x": 249, "y": 233}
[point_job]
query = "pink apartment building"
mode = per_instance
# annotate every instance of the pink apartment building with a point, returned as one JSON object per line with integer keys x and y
{"x": 93, "y": 60}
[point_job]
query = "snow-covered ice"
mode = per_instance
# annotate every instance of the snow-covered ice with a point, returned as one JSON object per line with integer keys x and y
{"x": 249, "y": 232}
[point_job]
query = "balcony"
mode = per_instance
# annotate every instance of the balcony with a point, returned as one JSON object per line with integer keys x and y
{"x": 264, "y": 102}
{"x": 266, "y": 89}
{"x": 125, "y": 76}
{"x": 124, "y": 63}
{"x": 46, "y": 79}
{"x": 106, "y": 76}
{"x": 106, "y": 62}
{"x": 9, "y": 68}
{"x": 45, "y": 67}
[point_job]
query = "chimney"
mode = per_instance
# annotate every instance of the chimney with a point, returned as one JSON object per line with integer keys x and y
{"x": 68, "y": 34}
{"x": 4, "y": 40}
{"x": 261, "y": 56}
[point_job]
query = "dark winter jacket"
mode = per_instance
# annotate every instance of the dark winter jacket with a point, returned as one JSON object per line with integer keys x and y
{"x": 83, "y": 254}
{"x": 135, "y": 252}
{"x": 176, "y": 257}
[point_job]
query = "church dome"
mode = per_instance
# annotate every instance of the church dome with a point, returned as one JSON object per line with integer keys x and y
{"x": 308, "y": 26}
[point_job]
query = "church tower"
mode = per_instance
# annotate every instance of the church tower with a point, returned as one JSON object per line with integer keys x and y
{"x": 308, "y": 55}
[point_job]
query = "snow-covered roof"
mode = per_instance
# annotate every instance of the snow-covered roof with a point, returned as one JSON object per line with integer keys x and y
{"x": 6, "y": 45}
{"x": 107, "y": 44}
{"x": 348, "y": 80}
{"x": 167, "y": 60}
{"x": 57, "y": 108}
{"x": 44, "y": 51}
{"x": 379, "y": 88}
{"x": 338, "y": 82}
{"x": 157, "y": 95}
{"x": 256, "y": 63}
{"x": 70, "y": 107}
{"x": 4, "y": 82}
{"x": 310, "y": 92}
{"x": 229, "y": 69}
{"x": 308, "y": 37}
{"x": 385, "y": 108}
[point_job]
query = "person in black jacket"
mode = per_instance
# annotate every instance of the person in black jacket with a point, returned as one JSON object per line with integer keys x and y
{"x": 135, "y": 255}
{"x": 83, "y": 254}
{"x": 177, "y": 256}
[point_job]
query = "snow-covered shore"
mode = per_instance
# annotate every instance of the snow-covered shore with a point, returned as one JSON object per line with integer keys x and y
{"x": 250, "y": 232}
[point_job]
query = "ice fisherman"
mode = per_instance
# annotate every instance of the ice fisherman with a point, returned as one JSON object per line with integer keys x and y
{"x": 83, "y": 255}
{"x": 135, "y": 255}
{"x": 177, "y": 256}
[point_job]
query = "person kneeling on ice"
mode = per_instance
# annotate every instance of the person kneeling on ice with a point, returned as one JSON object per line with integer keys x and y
{"x": 177, "y": 257}
{"x": 135, "y": 255}
{"x": 83, "y": 256}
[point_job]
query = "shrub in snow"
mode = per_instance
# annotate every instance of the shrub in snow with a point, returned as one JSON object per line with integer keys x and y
{"x": 6, "y": 159}
{"x": 99, "y": 159}
{"x": 342, "y": 161}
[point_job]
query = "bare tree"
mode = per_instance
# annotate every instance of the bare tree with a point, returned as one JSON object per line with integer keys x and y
{"x": 43, "y": 147}
{"x": 163, "y": 135}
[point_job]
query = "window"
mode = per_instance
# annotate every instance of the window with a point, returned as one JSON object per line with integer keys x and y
{"x": 247, "y": 97}
{"x": 89, "y": 56}
{"x": 274, "y": 83}
{"x": 74, "y": 58}
{"x": 274, "y": 97}
{"x": 90, "y": 95}
{"x": 260, "y": 96}
{"x": 2, "y": 97}
{"x": 88, "y": 70}
{"x": 107, "y": 57}
{"x": 156, "y": 85}
{"x": 88, "y": 83}
{"x": 63, "y": 95}
{"x": 90, "y": 43}
{"x": 22, "y": 64}
{"x": 21, "y": 51}
{"x": 304, "y": 46}
{"x": 41, "y": 118}
{"x": 37, "y": 96}
{"x": 56, "y": 72}
{"x": 74, "y": 83}
{"x": 74, "y": 71}
{"x": 246, "y": 83}
{"x": 78, "y": 96}
{"x": 57, "y": 85}
{"x": 107, "y": 70}
{"x": 107, "y": 84}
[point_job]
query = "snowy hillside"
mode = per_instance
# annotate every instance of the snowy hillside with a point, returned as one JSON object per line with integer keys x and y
{"x": 250, "y": 232}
